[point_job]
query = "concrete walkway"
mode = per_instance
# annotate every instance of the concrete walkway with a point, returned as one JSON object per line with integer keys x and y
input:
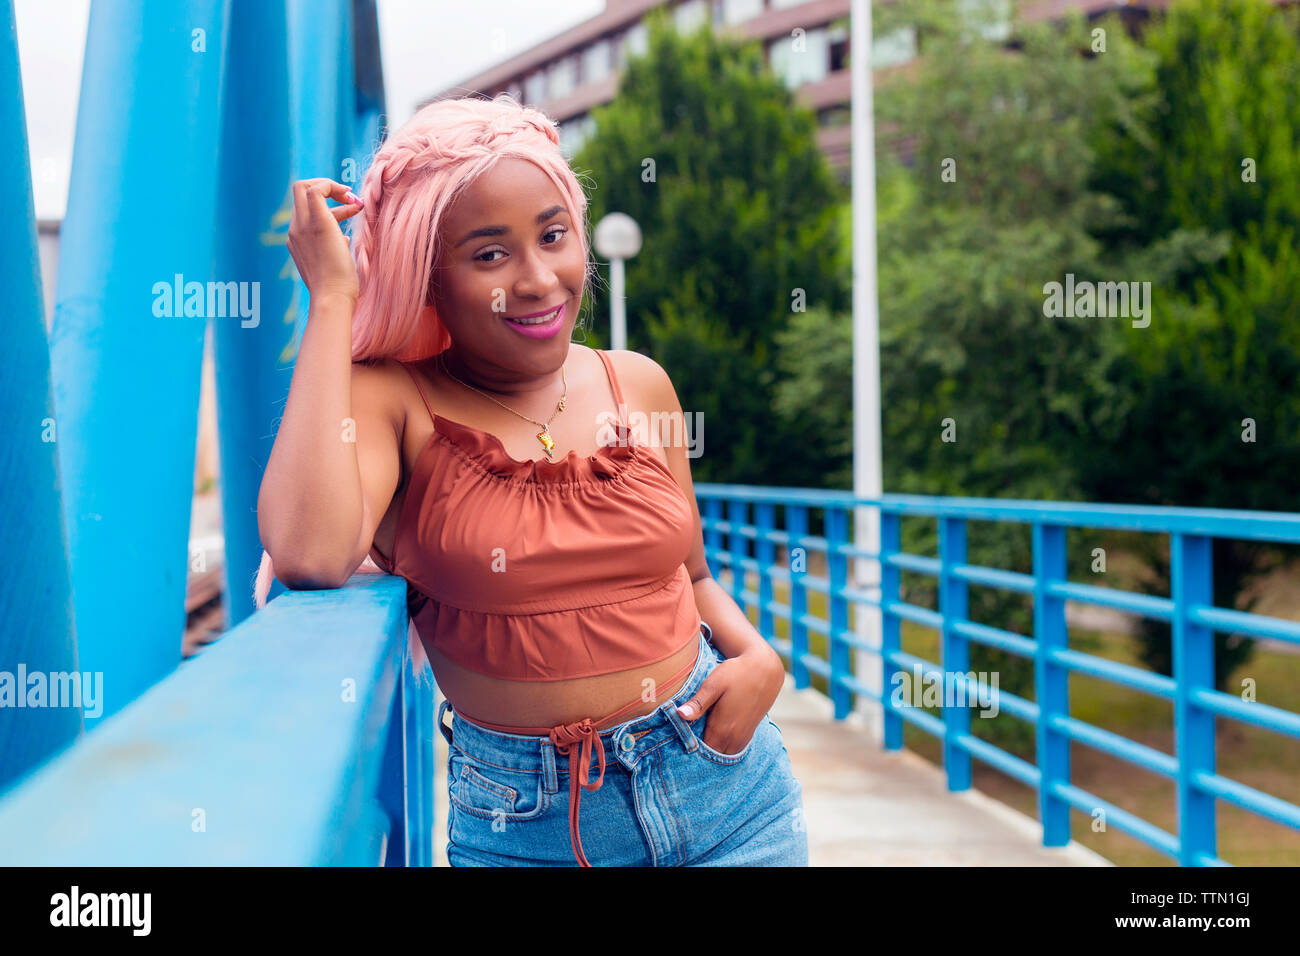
{"x": 865, "y": 806}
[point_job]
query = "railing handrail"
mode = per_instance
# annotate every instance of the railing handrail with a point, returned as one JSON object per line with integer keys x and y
{"x": 1281, "y": 526}
{"x": 274, "y": 746}
{"x": 259, "y": 739}
{"x": 1189, "y": 609}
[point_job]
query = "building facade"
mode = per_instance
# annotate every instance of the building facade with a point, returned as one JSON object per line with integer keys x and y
{"x": 576, "y": 71}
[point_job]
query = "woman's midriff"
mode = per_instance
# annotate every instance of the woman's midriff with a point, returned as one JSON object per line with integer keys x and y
{"x": 551, "y": 703}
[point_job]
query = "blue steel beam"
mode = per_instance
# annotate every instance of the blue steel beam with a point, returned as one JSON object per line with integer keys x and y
{"x": 253, "y": 357}
{"x": 126, "y": 349}
{"x": 35, "y": 593}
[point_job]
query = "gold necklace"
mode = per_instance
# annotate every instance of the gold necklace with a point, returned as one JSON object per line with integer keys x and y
{"x": 544, "y": 436}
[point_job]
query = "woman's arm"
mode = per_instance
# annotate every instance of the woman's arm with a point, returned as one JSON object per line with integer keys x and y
{"x": 313, "y": 507}
{"x": 752, "y": 666}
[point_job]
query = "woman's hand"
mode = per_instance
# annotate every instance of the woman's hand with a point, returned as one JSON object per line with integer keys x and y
{"x": 738, "y": 693}
{"x": 317, "y": 244}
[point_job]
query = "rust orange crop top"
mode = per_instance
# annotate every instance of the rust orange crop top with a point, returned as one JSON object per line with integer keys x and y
{"x": 545, "y": 570}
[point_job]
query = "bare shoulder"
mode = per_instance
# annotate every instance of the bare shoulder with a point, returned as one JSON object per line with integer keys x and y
{"x": 644, "y": 382}
{"x": 377, "y": 390}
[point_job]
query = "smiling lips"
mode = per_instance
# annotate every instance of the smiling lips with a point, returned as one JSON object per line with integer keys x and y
{"x": 536, "y": 318}
{"x": 539, "y": 326}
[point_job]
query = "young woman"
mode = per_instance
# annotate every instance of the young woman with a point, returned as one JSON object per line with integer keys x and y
{"x": 441, "y": 422}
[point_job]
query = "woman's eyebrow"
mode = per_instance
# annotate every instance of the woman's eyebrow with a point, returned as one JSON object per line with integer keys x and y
{"x": 502, "y": 230}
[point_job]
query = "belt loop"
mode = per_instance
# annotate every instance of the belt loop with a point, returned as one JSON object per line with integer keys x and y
{"x": 682, "y": 727}
{"x": 550, "y": 779}
{"x": 446, "y": 731}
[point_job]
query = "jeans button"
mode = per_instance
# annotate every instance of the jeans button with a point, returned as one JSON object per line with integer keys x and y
{"x": 627, "y": 743}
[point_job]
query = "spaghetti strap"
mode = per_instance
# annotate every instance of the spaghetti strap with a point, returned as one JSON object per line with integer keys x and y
{"x": 613, "y": 383}
{"x": 418, "y": 389}
{"x": 381, "y": 562}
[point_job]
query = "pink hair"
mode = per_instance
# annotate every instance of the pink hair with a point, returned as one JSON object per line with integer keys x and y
{"x": 412, "y": 180}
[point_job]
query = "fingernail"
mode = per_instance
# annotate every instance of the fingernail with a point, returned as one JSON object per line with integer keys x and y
{"x": 352, "y": 197}
{"x": 686, "y": 710}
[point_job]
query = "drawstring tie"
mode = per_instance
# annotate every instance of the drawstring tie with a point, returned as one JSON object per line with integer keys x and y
{"x": 583, "y": 733}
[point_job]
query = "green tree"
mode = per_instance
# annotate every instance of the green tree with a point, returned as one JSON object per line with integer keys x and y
{"x": 984, "y": 196}
{"x": 712, "y": 156}
{"x": 1212, "y": 414}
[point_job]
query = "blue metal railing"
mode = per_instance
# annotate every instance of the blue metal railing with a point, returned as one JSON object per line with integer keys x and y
{"x": 1189, "y": 609}
{"x": 299, "y": 739}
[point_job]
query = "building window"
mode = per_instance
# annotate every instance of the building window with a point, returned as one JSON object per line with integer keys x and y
{"x": 562, "y": 77}
{"x": 893, "y": 48}
{"x": 574, "y": 133}
{"x": 632, "y": 43}
{"x": 738, "y": 11}
{"x": 834, "y": 116}
{"x": 535, "y": 88}
{"x": 690, "y": 15}
{"x": 837, "y": 35}
{"x": 992, "y": 18}
{"x": 801, "y": 58}
{"x": 595, "y": 61}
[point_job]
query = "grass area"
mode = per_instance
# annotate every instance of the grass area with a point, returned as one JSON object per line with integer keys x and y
{"x": 1267, "y": 761}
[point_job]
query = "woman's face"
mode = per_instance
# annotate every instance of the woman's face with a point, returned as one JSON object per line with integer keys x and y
{"x": 509, "y": 249}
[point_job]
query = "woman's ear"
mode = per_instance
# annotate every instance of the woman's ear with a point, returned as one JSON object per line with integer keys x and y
{"x": 431, "y": 292}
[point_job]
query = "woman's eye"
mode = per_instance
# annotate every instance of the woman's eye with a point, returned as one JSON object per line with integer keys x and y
{"x": 558, "y": 231}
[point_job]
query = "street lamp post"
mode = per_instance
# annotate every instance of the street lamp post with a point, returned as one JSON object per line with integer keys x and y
{"x": 617, "y": 237}
{"x": 867, "y": 462}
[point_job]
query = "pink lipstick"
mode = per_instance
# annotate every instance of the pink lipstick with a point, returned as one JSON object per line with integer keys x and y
{"x": 538, "y": 327}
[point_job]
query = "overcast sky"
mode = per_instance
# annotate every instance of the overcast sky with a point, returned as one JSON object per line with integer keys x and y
{"x": 427, "y": 45}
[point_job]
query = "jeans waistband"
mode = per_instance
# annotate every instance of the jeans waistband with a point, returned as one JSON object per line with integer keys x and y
{"x": 625, "y": 740}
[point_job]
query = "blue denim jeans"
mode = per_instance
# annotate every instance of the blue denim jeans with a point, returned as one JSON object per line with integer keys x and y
{"x": 667, "y": 799}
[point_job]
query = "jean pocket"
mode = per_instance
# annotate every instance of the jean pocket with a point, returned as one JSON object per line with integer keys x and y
{"x": 490, "y": 792}
{"x": 708, "y": 753}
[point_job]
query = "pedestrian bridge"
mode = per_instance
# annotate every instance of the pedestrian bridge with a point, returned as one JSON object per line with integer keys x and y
{"x": 302, "y": 737}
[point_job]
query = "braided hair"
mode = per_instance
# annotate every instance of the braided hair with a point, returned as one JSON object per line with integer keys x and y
{"x": 412, "y": 180}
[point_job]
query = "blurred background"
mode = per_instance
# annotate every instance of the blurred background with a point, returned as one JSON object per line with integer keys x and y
{"x": 1135, "y": 141}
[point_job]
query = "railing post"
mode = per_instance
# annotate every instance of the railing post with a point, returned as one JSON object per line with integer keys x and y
{"x": 891, "y": 636}
{"x": 712, "y": 536}
{"x": 1052, "y": 683}
{"x": 837, "y": 566}
{"x": 737, "y": 511}
{"x": 1192, "y": 584}
{"x": 418, "y": 744}
{"x": 796, "y": 526}
{"x": 392, "y": 779}
{"x": 955, "y": 651}
{"x": 765, "y": 552}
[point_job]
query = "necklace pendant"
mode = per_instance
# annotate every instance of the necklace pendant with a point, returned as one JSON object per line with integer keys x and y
{"x": 544, "y": 436}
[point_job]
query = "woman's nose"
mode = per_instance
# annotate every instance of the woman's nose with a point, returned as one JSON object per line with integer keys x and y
{"x": 537, "y": 278}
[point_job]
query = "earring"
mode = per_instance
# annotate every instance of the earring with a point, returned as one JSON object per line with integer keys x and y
{"x": 580, "y": 325}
